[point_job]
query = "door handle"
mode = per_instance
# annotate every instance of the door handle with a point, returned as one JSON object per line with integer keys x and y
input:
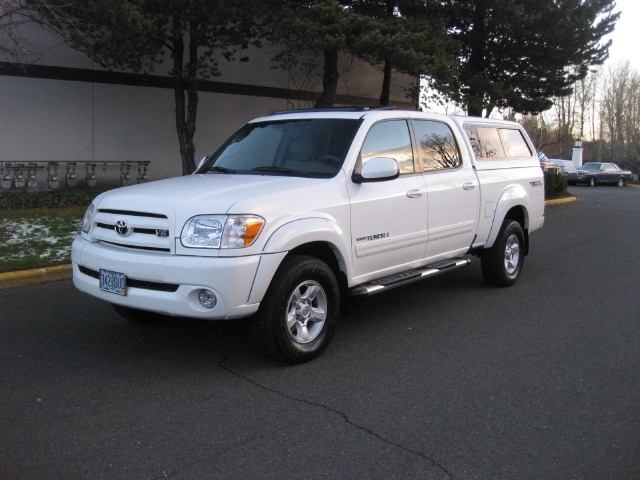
{"x": 414, "y": 193}
{"x": 469, "y": 186}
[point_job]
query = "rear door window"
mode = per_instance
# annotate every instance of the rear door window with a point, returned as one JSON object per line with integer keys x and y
{"x": 438, "y": 146}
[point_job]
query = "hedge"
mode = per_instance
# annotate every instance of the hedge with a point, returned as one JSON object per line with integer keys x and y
{"x": 72, "y": 197}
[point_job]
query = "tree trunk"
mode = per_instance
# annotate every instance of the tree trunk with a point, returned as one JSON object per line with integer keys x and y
{"x": 186, "y": 104}
{"x": 385, "y": 95}
{"x": 329, "y": 80}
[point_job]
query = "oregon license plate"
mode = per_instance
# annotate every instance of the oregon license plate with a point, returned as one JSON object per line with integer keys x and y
{"x": 113, "y": 282}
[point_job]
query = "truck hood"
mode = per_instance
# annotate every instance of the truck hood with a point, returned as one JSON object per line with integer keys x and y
{"x": 199, "y": 194}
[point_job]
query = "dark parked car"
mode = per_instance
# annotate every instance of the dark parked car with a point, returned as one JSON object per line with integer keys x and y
{"x": 595, "y": 173}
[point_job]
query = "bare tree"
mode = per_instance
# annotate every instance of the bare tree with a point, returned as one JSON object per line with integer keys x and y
{"x": 15, "y": 15}
{"x": 619, "y": 112}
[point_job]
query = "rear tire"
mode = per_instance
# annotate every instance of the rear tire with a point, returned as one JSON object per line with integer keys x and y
{"x": 141, "y": 317}
{"x": 622, "y": 182}
{"x": 502, "y": 263}
{"x": 299, "y": 312}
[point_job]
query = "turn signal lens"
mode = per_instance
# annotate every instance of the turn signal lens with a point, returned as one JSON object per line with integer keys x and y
{"x": 241, "y": 231}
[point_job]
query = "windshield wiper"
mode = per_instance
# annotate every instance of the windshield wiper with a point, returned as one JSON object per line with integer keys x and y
{"x": 284, "y": 171}
{"x": 217, "y": 169}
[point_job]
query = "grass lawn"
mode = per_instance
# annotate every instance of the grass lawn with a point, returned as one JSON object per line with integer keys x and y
{"x": 35, "y": 238}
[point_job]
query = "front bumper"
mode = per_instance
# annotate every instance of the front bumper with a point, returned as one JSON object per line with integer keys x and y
{"x": 167, "y": 283}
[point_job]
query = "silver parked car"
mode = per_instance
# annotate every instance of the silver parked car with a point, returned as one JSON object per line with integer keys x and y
{"x": 596, "y": 173}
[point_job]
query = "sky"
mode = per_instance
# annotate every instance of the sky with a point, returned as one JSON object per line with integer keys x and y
{"x": 626, "y": 36}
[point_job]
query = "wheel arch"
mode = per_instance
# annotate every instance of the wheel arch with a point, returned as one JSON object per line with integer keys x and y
{"x": 316, "y": 237}
{"x": 511, "y": 205}
{"x": 520, "y": 215}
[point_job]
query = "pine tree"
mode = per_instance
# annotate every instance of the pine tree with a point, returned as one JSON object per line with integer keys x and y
{"x": 139, "y": 35}
{"x": 521, "y": 53}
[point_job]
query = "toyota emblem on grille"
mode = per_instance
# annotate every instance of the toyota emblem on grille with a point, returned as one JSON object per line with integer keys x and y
{"x": 122, "y": 228}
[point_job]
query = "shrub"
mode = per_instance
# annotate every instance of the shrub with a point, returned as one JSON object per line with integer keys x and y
{"x": 72, "y": 197}
{"x": 555, "y": 184}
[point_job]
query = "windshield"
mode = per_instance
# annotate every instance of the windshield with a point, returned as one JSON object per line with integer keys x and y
{"x": 307, "y": 148}
{"x": 590, "y": 167}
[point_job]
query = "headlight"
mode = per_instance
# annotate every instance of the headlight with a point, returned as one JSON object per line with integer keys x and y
{"x": 220, "y": 231}
{"x": 86, "y": 220}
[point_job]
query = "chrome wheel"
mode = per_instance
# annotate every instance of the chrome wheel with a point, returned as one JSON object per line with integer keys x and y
{"x": 299, "y": 313}
{"x": 306, "y": 312}
{"x": 512, "y": 254}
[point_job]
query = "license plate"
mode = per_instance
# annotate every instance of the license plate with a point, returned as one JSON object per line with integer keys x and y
{"x": 113, "y": 282}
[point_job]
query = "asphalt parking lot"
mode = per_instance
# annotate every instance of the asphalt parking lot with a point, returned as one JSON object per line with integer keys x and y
{"x": 445, "y": 379}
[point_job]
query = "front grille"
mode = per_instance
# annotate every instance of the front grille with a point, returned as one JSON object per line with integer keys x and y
{"x": 132, "y": 282}
{"x": 148, "y": 231}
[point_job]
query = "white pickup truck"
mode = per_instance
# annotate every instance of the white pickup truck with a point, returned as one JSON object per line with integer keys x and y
{"x": 299, "y": 210}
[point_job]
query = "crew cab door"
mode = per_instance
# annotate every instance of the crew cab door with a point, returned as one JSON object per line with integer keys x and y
{"x": 452, "y": 190}
{"x": 388, "y": 218}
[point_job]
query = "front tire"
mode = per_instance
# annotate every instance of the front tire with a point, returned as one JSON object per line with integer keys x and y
{"x": 300, "y": 310}
{"x": 592, "y": 181}
{"x": 502, "y": 263}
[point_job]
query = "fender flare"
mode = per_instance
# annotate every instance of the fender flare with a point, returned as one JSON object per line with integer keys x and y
{"x": 512, "y": 196}
{"x": 291, "y": 235}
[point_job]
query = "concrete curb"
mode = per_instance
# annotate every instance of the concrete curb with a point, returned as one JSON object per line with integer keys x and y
{"x": 559, "y": 201}
{"x": 38, "y": 275}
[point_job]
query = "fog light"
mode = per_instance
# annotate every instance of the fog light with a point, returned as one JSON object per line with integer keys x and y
{"x": 207, "y": 299}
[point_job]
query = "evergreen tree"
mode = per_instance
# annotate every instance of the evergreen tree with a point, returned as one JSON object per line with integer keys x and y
{"x": 140, "y": 34}
{"x": 408, "y": 36}
{"x": 521, "y": 53}
{"x": 317, "y": 29}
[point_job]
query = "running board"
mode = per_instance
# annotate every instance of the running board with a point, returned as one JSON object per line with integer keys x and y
{"x": 403, "y": 278}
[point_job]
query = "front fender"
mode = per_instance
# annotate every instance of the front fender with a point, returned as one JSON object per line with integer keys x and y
{"x": 513, "y": 196}
{"x": 294, "y": 234}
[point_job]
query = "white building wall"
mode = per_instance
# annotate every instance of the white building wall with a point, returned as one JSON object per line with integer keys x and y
{"x": 64, "y": 119}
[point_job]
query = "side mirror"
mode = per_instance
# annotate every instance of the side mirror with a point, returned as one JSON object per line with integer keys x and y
{"x": 378, "y": 169}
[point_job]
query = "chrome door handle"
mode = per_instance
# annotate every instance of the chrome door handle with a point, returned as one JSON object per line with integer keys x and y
{"x": 469, "y": 186}
{"x": 414, "y": 193}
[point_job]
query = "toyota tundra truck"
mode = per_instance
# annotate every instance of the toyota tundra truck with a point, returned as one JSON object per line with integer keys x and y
{"x": 300, "y": 210}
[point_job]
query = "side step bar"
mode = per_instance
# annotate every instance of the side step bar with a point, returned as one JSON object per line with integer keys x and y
{"x": 403, "y": 278}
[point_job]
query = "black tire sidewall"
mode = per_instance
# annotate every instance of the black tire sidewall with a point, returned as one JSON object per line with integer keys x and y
{"x": 275, "y": 338}
{"x": 493, "y": 267}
